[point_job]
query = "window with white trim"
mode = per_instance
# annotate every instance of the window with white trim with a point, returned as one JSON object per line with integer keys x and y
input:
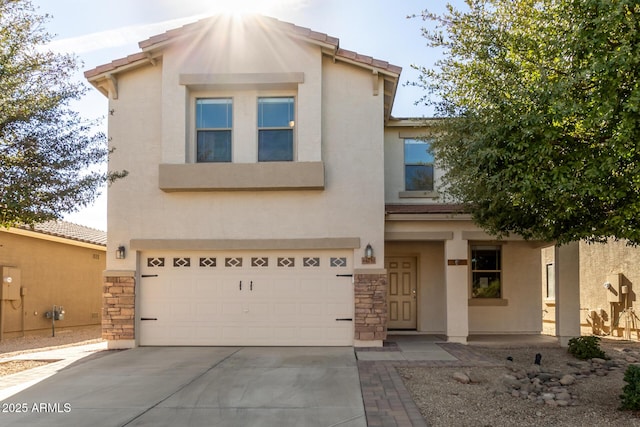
{"x": 486, "y": 271}
{"x": 418, "y": 165}
{"x": 214, "y": 125}
{"x": 276, "y": 120}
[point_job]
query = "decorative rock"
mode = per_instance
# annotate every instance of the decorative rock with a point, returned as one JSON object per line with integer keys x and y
{"x": 548, "y": 396}
{"x": 567, "y": 380}
{"x": 544, "y": 377}
{"x": 551, "y": 402}
{"x": 563, "y": 396}
{"x": 461, "y": 377}
{"x": 515, "y": 393}
{"x": 474, "y": 377}
{"x": 578, "y": 364}
{"x": 511, "y": 383}
{"x": 562, "y": 403}
{"x": 598, "y": 360}
{"x": 535, "y": 369}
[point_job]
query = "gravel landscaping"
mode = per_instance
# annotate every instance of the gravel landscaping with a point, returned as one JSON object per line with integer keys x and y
{"x": 40, "y": 342}
{"x": 561, "y": 391}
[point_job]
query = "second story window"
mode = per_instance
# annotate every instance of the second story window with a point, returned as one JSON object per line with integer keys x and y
{"x": 418, "y": 166}
{"x": 214, "y": 122}
{"x": 275, "y": 129}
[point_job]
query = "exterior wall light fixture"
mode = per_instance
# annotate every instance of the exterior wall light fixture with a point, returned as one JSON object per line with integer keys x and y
{"x": 368, "y": 255}
{"x": 120, "y": 252}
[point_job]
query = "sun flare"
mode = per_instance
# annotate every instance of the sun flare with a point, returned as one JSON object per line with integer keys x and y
{"x": 239, "y": 8}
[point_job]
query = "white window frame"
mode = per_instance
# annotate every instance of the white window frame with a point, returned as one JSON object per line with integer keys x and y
{"x": 291, "y": 127}
{"x": 474, "y": 247}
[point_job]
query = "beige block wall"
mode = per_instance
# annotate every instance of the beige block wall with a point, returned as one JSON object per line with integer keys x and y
{"x": 52, "y": 273}
{"x": 601, "y": 311}
{"x": 339, "y": 119}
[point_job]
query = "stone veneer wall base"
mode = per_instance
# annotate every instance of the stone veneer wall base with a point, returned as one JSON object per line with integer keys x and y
{"x": 370, "y": 296}
{"x": 118, "y": 311}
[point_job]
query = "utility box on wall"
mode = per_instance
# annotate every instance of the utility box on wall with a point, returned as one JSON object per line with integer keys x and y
{"x": 613, "y": 288}
{"x": 10, "y": 283}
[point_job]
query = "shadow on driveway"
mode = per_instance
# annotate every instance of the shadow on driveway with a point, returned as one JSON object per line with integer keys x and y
{"x": 198, "y": 386}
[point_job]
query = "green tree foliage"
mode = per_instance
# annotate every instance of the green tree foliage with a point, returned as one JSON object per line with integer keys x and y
{"x": 543, "y": 101}
{"x": 48, "y": 154}
{"x": 630, "y": 396}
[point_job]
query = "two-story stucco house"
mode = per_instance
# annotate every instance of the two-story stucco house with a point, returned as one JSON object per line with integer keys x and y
{"x": 273, "y": 200}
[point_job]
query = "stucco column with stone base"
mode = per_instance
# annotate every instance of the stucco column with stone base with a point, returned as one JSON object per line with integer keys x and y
{"x": 118, "y": 309}
{"x": 370, "y": 297}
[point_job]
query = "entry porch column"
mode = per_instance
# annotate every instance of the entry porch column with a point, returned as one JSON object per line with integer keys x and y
{"x": 457, "y": 289}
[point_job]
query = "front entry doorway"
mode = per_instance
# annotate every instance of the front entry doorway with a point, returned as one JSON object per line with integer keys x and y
{"x": 402, "y": 292}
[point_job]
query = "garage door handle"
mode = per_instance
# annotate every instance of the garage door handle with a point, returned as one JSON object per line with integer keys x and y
{"x": 344, "y": 275}
{"x": 148, "y": 318}
{"x": 251, "y": 286}
{"x": 344, "y": 319}
{"x": 240, "y": 284}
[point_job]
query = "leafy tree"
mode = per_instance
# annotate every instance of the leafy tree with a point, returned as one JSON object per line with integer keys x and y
{"x": 543, "y": 105}
{"x": 48, "y": 154}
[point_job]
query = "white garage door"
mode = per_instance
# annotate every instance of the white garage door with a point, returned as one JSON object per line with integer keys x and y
{"x": 240, "y": 298}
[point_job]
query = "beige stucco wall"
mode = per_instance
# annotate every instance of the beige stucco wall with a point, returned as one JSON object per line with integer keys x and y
{"x": 52, "y": 273}
{"x": 520, "y": 310}
{"x": 547, "y": 255}
{"x": 431, "y": 282}
{"x": 339, "y": 121}
{"x": 394, "y": 136}
{"x": 520, "y": 278}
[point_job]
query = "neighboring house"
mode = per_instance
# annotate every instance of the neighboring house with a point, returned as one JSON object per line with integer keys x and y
{"x": 608, "y": 299}
{"x": 53, "y": 263}
{"x": 263, "y": 163}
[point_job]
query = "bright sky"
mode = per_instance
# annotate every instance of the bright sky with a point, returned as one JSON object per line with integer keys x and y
{"x": 99, "y": 32}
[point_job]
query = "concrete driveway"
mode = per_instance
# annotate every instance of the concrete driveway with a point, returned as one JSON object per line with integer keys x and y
{"x": 197, "y": 386}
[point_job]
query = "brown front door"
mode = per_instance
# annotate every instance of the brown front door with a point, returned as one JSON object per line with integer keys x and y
{"x": 402, "y": 292}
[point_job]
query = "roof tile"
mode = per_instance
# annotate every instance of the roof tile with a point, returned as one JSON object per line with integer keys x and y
{"x": 71, "y": 231}
{"x": 286, "y": 26}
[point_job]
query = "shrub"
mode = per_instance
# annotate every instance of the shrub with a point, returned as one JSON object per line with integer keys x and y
{"x": 631, "y": 392}
{"x": 586, "y": 347}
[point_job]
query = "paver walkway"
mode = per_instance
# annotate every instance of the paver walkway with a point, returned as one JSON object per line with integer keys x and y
{"x": 387, "y": 402}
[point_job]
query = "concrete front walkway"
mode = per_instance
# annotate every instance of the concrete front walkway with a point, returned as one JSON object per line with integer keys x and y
{"x": 198, "y": 386}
